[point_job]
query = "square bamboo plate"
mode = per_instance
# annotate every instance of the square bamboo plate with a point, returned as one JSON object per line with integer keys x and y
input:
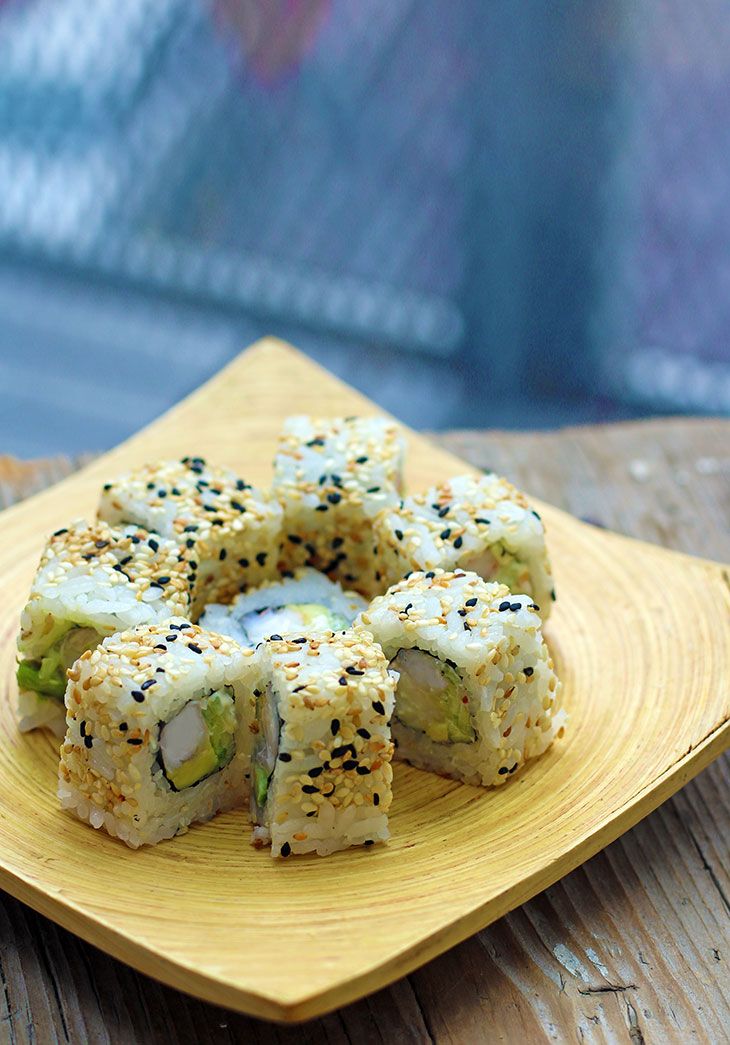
{"x": 641, "y": 640}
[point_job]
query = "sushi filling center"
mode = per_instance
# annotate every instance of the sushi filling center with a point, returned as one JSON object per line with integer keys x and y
{"x": 199, "y": 740}
{"x": 46, "y": 675}
{"x": 284, "y": 620}
{"x": 496, "y": 563}
{"x": 265, "y": 751}
{"x": 431, "y": 697}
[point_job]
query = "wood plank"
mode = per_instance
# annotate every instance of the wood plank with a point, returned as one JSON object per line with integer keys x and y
{"x": 635, "y": 943}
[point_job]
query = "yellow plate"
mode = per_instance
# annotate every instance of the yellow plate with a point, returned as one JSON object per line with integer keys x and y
{"x": 640, "y": 636}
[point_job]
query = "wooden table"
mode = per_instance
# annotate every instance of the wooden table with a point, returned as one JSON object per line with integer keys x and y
{"x": 632, "y": 947}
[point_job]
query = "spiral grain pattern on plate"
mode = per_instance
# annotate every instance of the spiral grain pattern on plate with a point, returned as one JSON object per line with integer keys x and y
{"x": 640, "y": 638}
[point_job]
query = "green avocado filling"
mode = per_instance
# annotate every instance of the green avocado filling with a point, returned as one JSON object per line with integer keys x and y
{"x": 431, "y": 697}
{"x": 46, "y": 675}
{"x": 265, "y": 750}
{"x": 199, "y": 740}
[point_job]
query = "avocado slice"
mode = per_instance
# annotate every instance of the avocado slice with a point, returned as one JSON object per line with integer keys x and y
{"x": 199, "y": 740}
{"x": 47, "y": 674}
{"x": 431, "y": 697}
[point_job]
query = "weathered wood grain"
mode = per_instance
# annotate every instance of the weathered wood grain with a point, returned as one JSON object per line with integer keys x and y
{"x": 633, "y": 946}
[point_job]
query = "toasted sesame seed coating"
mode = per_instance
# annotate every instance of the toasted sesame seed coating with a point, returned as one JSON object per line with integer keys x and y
{"x": 227, "y": 530}
{"x": 332, "y": 475}
{"x": 331, "y": 787}
{"x": 479, "y": 523}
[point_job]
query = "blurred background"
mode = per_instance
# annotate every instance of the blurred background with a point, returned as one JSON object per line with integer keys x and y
{"x": 479, "y": 213}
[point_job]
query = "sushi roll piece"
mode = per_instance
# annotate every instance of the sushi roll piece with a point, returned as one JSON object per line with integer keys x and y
{"x": 321, "y": 761}
{"x": 158, "y": 731}
{"x": 481, "y": 524}
{"x": 228, "y": 531}
{"x": 92, "y": 580}
{"x": 332, "y": 475}
{"x": 306, "y": 601}
{"x": 477, "y": 694}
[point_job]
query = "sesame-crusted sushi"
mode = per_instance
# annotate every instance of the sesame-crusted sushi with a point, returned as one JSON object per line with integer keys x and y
{"x": 228, "y": 531}
{"x": 91, "y": 581}
{"x": 159, "y": 731}
{"x": 477, "y": 523}
{"x": 332, "y": 475}
{"x": 303, "y": 602}
{"x": 321, "y": 762}
{"x": 477, "y": 695}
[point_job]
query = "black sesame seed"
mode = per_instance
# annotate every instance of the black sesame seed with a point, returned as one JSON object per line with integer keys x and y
{"x": 137, "y": 695}
{"x": 443, "y": 511}
{"x": 374, "y": 489}
{"x": 553, "y": 596}
{"x": 275, "y": 637}
{"x": 399, "y": 534}
{"x": 171, "y": 638}
{"x": 364, "y": 734}
{"x": 445, "y": 534}
{"x": 536, "y": 515}
{"x": 284, "y": 757}
{"x": 368, "y": 841}
{"x": 136, "y": 741}
{"x": 512, "y": 768}
{"x": 298, "y": 689}
{"x": 294, "y": 538}
{"x": 362, "y": 770}
{"x": 484, "y": 522}
{"x": 162, "y": 493}
{"x": 313, "y": 813}
{"x": 58, "y": 533}
{"x": 310, "y": 789}
{"x": 528, "y": 671}
{"x": 285, "y": 849}
{"x": 376, "y": 798}
{"x": 163, "y": 580}
{"x": 342, "y": 680}
{"x": 190, "y": 543}
{"x": 322, "y": 508}
{"x": 470, "y": 602}
{"x": 504, "y": 606}
{"x": 101, "y": 544}
{"x": 107, "y": 486}
{"x": 430, "y": 575}
{"x": 534, "y": 606}
{"x": 315, "y": 772}
{"x": 458, "y": 542}
{"x": 148, "y": 683}
{"x": 244, "y": 563}
{"x": 261, "y": 558}
{"x": 462, "y": 613}
{"x": 190, "y": 529}
{"x": 194, "y": 648}
{"x": 299, "y": 642}
{"x": 349, "y": 764}
{"x": 175, "y": 492}
{"x": 222, "y": 554}
{"x": 337, "y": 542}
{"x": 82, "y": 728}
{"x": 351, "y": 670}
{"x": 88, "y": 741}
{"x": 502, "y": 770}
{"x": 125, "y": 561}
{"x": 123, "y": 727}
{"x": 516, "y": 606}
{"x": 237, "y": 506}
{"x": 338, "y": 752}
{"x": 377, "y": 706}
{"x": 335, "y": 727}
{"x": 408, "y": 607}
{"x": 150, "y": 486}
{"x": 315, "y": 442}
{"x": 334, "y": 498}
